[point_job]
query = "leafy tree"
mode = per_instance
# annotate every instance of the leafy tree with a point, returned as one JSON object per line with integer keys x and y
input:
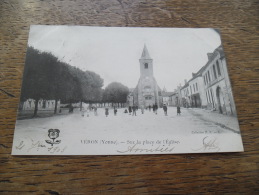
{"x": 115, "y": 93}
{"x": 38, "y": 76}
{"x": 45, "y": 77}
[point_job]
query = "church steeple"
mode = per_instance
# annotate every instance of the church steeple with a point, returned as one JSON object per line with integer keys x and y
{"x": 146, "y": 93}
{"x": 146, "y": 63}
{"x": 145, "y": 54}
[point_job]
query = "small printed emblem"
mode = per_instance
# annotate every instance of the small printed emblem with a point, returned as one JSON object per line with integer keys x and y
{"x": 53, "y": 134}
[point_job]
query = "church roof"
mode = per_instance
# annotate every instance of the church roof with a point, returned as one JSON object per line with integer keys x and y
{"x": 145, "y": 54}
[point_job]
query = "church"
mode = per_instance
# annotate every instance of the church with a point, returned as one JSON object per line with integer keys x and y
{"x": 147, "y": 92}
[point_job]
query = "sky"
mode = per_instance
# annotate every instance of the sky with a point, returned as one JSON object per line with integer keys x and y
{"x": 114, "y": 52}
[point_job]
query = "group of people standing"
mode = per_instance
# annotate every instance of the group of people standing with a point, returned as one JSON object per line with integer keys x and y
{"x": 154, "y": 108}
{"x": 114, "y": 111}
{"x": 132, "y": 109}
{"x": 87, "y": 111}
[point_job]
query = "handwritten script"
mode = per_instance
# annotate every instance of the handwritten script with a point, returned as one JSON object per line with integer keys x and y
{"x": 209, "y": 144}
{"x": 33, "y": 146}
{"x": 136, "y": 149}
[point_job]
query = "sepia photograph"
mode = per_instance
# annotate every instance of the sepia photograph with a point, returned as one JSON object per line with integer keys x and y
{"x": 125, "y": 91}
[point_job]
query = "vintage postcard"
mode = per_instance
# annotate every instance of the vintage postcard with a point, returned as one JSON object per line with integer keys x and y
{"x": 125, "y": 91}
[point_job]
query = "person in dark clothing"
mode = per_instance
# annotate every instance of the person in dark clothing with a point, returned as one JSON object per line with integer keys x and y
{"x": 115, "y": 111}
{"x": 149, "y": 107}
{"x": 156, "y": 107}
{"x": 106, "y": 112}
{"x": 134, "y": 108}
{"x": 130, "y": 110}
{"x": 178, "y": 110}
{"x": 71, "y": 109}
{"x": 165, "y": 109}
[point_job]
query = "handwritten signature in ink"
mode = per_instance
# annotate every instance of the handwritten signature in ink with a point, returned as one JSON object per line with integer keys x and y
{"x": 135, "y": 149}
{"x": 209, "y": 144}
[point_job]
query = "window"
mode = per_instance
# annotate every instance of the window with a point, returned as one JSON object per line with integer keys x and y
{"x": 214, "y": 71}
{"x": 146, "y": 65}
{"x": 219, "y": 73}
{"x": 207, "y": 96}
{"x": 148, "y": 97}
{"x": 212, "y": 97}
{"x": 204, "y": 80}
{"x": 197, "y": 86}
{"x": 209, "y": 75}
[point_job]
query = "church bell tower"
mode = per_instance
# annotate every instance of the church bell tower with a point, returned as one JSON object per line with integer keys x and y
{"x": 146, "y": 64}
{"x": 147, "y": 91}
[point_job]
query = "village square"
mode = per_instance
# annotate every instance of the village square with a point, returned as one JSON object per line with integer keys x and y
{"x": 203, "y": 104}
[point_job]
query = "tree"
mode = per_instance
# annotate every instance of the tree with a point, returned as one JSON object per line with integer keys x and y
{"x": 38, "y": 76}
{"x": 91, "y": 87}
{"x": 45, "y": 77}
{"x": 115, "y": 93}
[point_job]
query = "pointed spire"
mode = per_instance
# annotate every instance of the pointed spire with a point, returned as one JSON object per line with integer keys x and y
{"x": 145, "y": 54}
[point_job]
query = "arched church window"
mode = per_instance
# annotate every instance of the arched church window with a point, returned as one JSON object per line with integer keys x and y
{"x": 146, "y": 65}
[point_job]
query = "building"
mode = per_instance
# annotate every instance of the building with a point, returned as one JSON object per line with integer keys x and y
{"x": 167, "y": 98}
{"x": 185, "y": 95}
{"x": 174, "y": 99}
{"x": 147, "y": 92}
{"x": 29, "y": 104}
{"x": 196, "y": 88}
{"x": 210, "y": 87}
{"x": 217, "y": 84}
